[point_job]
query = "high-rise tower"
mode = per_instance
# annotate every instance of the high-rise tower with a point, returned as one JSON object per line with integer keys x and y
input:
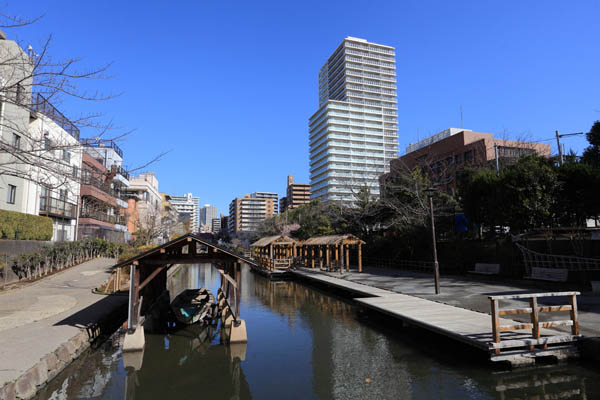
{"x": 354, "y": 134}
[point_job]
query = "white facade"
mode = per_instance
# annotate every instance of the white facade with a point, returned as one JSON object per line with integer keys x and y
{"x": 207, "y": 214}
{"x": 40, "y": 161}
{"x": 188, "y": 204}
{"x": 149, "y": 200}
{"x": 354, "y": 134}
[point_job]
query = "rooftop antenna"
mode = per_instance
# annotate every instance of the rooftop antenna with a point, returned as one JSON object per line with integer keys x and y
{"x": 461, "y": 117}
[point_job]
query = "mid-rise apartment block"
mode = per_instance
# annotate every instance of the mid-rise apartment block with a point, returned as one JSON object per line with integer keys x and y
{"x": 297, "y": 194}
{"x": 354, "y": 133}
{"x": 215, "y": 225}
{"x": 145, "y": 202}
{"x": 268, "y": 195}
{"x": 40, "y": 161}
{"x": 207, "y": 213}
{"x": 104, "y": 181}
{"x": 443, "y": 155}
{"x": 188, "y": 204}
{"x": 246, "y": 213}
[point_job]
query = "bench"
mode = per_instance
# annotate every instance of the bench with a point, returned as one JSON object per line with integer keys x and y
{"x": 549, "y": 274}
{"x": 486, "y": 269}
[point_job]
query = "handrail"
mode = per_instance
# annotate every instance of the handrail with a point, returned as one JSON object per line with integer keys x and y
{"x": 534, "y": 310}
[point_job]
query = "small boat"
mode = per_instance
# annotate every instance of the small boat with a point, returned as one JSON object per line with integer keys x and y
{"x": 195, "y": 305}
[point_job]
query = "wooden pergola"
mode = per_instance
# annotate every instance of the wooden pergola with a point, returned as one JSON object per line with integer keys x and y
{"x": 273, "y": 251}
{"x": 330, "y": 251}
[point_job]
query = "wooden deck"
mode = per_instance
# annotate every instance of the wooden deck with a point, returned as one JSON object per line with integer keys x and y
{"x": 469, "y": 327}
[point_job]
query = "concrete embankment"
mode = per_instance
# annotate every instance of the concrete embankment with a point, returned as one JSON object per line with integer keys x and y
{"x": 48, "y": 324}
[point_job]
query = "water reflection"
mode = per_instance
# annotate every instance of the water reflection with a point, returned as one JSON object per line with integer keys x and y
{"x": 303, "y": 344}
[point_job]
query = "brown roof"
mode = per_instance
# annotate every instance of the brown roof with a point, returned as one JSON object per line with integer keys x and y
{"x": 333, "y": 240}
{"x": 266, "y": 241}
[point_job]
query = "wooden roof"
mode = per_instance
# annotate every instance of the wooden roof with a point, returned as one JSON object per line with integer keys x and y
{"x": 179, "y": 242}
{"x": 277, "y": 239}
{"x": 333, "y": 240}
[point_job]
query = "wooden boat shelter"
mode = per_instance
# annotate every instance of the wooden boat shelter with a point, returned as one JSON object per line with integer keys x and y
{"x": 275, "y": 251}
{"x": 332, "y": 251}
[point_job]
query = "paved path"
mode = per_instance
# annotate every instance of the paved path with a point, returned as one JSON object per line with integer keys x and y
{"x": 470, "y": 293}
{"x": 38, "y": 318}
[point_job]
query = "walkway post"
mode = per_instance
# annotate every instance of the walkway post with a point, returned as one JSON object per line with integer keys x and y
{"x": 436, "y": 267}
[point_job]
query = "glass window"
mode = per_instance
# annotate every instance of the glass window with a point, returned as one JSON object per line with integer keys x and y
{"x": 62, "y": 194}
{"x": 66, "y": 156}
{"x": 12, "y": 194}
{"x": 75, "y": 171}
{"x": 47, "y": 143}
{"x": 16, "y": 141}
{"x": 458, "y": 159}
{"x": 468, "y": 156}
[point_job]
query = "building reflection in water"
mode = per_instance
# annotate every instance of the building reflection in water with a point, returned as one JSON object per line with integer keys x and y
{"x": 302, "y": 344}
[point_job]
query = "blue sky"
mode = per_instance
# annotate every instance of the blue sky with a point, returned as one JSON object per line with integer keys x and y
{"x": 228, "y": 86}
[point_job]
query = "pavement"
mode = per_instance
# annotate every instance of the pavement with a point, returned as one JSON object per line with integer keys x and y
{"x": 36, "y": 319}
{"x": 471, "y": 293}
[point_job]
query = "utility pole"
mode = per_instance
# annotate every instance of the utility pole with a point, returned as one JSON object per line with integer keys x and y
{"x": 560, "y": 148}
{"x": 496, "y": 157}
{"x": 560, "y": 154}
{"x": 436, "y": 266}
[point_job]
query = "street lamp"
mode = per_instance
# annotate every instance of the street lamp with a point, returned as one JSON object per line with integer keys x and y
{"x": 436, "y": 267}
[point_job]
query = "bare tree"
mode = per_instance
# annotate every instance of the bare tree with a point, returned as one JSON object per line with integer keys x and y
{"x": 36, "y": 139}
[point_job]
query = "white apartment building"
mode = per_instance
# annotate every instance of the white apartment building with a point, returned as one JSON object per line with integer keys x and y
{"x": 40, "y": 153}
{"x": 207, "y": 214}
{"x": 354, "y": 133}
{"x": 144, "y": 188}
{"x": 188, "y": 204}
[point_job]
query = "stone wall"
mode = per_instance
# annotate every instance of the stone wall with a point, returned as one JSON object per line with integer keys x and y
{"x": 47, "y": 368}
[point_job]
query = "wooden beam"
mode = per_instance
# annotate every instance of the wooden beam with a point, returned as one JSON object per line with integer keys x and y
{"x": 360, "y": 257}
{"x": 150, "y": 277}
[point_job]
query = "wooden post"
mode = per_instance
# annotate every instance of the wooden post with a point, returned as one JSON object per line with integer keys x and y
{"x": 271, "y": 250}
{"x": 535, "y": 319}
{"x": 321, "y": 257}
{"x": 347, "y": 257}
{"x": 495, "y": 323}
{"x": 312, "y": 257}
{"x": 327, "y": 257}
{"x": 360, "y": 257}
{"x": 575, "y": 326}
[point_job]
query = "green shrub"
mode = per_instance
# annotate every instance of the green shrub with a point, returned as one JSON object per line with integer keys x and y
{"x": 16, "y": 225}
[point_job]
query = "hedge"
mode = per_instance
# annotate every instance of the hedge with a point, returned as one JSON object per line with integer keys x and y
{"x": 63, "y": 255}
{"x": 16, "y": 225}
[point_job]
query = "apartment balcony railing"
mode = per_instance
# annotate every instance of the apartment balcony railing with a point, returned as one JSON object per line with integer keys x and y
{"x": 40, "y": 104}
{"x": 103, "y": 216}
{"x": 103, "y": 143}
{"x": 57, "y": 207}
{"x": 98, "y": 183}
{"x": 117, "y": 169}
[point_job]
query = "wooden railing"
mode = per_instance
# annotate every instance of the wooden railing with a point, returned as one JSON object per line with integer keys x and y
{"x": 272, "y": 264}
{"x": 230, "y": 293}
{"x": 535, "y": 325}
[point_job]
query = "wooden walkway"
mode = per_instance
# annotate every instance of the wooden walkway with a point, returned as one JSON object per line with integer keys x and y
{"x": 469, "y": 327}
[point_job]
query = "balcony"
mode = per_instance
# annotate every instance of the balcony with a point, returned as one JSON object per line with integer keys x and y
{"x": 118, "y": 170}
{"x": 99, "y": 215}
{"x": 40, "y": 104}
{"x": 54, "y": 207}
{"x": 103, "y": 143}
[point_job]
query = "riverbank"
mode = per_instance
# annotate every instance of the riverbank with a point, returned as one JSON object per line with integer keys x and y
{"x": 49, "y": 323}
{"x": 461, "y": 294}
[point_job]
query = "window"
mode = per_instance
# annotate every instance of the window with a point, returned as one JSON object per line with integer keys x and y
{"x": 458, "y": 159}
{"x": 75, "y": 172}
{"x": 47, "y": 144}
{"x": 16, "y": 141}
{"x": 20, "y": 98}
{"x": 12, "y": 194}
{"x": 66, "y": 156}
{"x": 469, "y": 156}
{"x": 62, "y": 194}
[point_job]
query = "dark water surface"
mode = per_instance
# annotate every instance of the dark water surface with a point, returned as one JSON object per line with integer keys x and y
{"x": 304, "y": 344}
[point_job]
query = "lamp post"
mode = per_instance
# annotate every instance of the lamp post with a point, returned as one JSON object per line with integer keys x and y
{"x": 436, "y": 267}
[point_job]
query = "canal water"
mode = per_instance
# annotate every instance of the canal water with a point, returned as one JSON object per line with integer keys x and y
{"x": 305, "y": 344}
